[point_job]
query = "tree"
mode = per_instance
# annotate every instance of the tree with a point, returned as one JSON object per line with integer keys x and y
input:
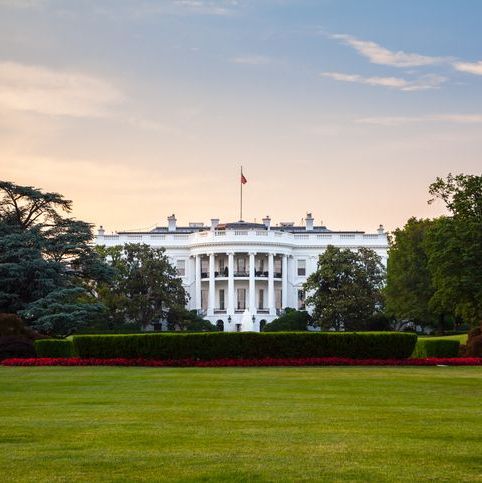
{"x": 454, "y": 248}
{"x": 345, "y": 290}
{"x": 48, "y": 266}
{"x": 145, "y": 286}
{"x": 409, "y": 286}
{"x": 291, "y": 320}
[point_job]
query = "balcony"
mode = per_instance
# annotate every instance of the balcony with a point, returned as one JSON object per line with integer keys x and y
{"x": 263, "y": 311}
{"x": 219, "y": 311}
{"x": 259, "y": 273}
{"x": 241, "y": 274}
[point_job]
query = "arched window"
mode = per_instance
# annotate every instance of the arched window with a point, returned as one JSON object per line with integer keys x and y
{"x": 220, "y": 325}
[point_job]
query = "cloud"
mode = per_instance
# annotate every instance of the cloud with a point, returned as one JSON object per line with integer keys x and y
{"x": 381, "y": 55}
{"x": 208, "y": 7}
{"x": 469, "y": 67}
{"x": 429, "y": 81}
{"x": 251, "y": 60}
{"x": 55, "y": 92}
{"x": 400, "y": 120}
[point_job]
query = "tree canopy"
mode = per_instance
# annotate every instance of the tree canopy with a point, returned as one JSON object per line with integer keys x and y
{"x": 454, "y": 247}
{"x": 409, "y": 286}
{"x": 145, "y": 286}
{"x": 48, "y": 266}
{"x": 345, "y": 290}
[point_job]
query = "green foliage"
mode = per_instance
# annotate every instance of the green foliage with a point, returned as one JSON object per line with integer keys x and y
{"x": 181, "y": 319}
{"x": 48, "y": 266}
{"x": 436, "y": 348}
{"x": 16, "y": 346}
{"x": 11, "y": 324}
{"x": 345, "y": 290}
{"x": 247, "y": 345}
{"x": 145, "y": 286}
{"x": 409, "y": 283}
{"x": 54, "y": 348}
{"x": 291, "y": 320}
{"x": 62, "y": 311}
{"x": 454, "y": 247}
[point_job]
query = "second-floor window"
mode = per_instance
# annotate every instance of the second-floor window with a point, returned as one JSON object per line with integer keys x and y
{"x": 241, "y": 264}
{"x": 301, "y": 268}
{"x": 181, "y": 268}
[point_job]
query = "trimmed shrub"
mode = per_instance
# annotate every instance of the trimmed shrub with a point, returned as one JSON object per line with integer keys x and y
{"x": 291, "y": 320}
{"x": 54, "y": 348}
{"x": 436, "y": 348}
{"x": 247, "y": 345}
{"x": 16, "y": 346}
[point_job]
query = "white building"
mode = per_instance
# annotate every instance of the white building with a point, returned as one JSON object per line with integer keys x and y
{"x": 241, "y": 275}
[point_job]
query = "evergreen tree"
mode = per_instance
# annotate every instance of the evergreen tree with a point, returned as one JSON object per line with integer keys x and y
{"x": 48, "y": 266}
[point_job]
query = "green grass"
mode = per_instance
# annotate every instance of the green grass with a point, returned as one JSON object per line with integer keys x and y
{"x": 462, "y": 338}
{"x": 241, "y": 424}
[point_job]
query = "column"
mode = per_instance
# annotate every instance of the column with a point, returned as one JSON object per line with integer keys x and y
{"x": 252, "y": 291}
{"x": 272, "y": 309}
{"x": 197, "y": 281}
{"x": 284, "y": 282}
{"x": 230, "y": 283}
{"x": 212, "y": 290}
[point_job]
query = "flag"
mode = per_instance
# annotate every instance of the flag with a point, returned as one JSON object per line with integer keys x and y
{"x": 243, "y": 179}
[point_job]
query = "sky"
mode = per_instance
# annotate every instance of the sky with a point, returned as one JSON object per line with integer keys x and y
{"x": 139, "y": 109}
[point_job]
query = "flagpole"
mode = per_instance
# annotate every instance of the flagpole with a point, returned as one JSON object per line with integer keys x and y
{"x": 241, "y": 196}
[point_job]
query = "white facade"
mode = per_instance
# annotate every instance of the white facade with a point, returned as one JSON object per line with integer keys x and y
{"x": 241, "y": 275}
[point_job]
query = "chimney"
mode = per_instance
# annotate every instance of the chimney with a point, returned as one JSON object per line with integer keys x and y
{"x": 214, "y": 223}
{"x": 267, "y": 221}
{"x": 309, "y": 221}
{"x": 171, "y": 223}
{"x": 381, "y": 230}
{"x": 101, "y": 231}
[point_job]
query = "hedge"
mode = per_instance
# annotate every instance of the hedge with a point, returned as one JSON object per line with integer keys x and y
{"x": 247, "y": 345}
{"x": 436, "y": 348}
{"x": 54, "y": 348}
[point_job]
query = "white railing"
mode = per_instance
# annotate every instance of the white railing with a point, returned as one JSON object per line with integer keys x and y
{"x": 227, "y": 236}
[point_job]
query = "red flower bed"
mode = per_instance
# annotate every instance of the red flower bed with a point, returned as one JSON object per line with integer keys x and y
{"x": 325, "y": 361}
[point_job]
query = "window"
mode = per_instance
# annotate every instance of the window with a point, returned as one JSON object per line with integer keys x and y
{"x": 204, "y": 299}
{"x": 261, "y": 299}
{"x": 260, "y": 265}
{"x": 301, "y": 299}
{"x": 277, "y": 266}
{"x": 204, "y": 265}
{"x": 221, "y": 299}
{"x": 241, "y": 264}
{"x": 222, "y": 264}
{"x": 181, "y": 267}
{"x": 241, "y": 298}
{"x": 278, "y": 298}
{"x": 301, "y": 268}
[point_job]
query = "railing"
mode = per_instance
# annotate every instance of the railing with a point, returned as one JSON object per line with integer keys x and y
{"x": 204, "y": 236}
{"x": 241, "y": 274}
{"x": 220, "y": 311}
{"x": 259, "y": 273}
{"x": 263, "y": 311}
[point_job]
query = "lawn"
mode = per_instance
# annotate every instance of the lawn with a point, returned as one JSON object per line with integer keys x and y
{"x": 462, "y": 338}
{"x": 241, "y": 424}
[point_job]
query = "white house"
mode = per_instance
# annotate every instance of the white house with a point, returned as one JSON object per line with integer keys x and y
{"x": 241, "y": 275}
